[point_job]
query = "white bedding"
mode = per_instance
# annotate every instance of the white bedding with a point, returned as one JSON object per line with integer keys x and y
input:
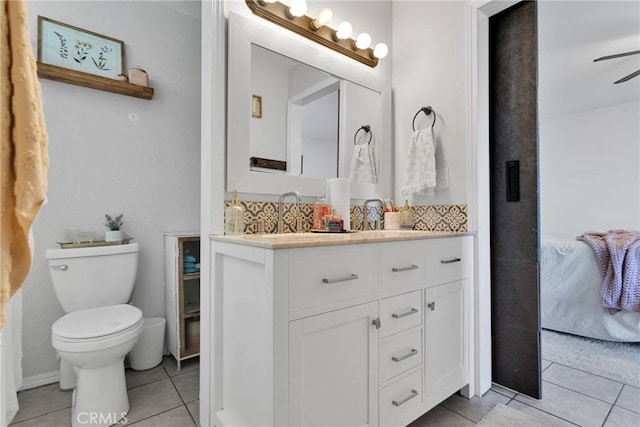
{"x": 570, "y": 288}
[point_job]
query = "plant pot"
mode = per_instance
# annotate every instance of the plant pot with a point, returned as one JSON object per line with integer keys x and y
{"x": 113, "y": 236}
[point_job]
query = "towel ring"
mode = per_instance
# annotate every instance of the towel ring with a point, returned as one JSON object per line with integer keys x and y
{"x": 367, "y": 129}
{"x": 426, "y": 110}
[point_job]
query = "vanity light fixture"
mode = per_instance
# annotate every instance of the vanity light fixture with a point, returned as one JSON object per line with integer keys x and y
{"x": 297, "y": 8}
{"x": 292, "y": 17}
{"x": 363, "y": 41}
{"x": 322, "y": 19}
{"x": 343, "y": 32}
{"x": 381, "y": 50}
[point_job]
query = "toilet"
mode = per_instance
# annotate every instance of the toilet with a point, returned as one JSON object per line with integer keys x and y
{"x": 93, "y": 286}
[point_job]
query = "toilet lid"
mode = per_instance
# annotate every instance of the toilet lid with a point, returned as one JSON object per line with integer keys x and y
{"x": 97, "y": 322}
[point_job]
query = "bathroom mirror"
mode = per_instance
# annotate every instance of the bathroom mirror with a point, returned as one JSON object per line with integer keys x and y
{"x": 296, "y": 132}
{"x": 293, "y": 111}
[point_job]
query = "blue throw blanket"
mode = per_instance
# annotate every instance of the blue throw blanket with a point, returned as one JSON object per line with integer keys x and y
{"x": 618, "y": 256}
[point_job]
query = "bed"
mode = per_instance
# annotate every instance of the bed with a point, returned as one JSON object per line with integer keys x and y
{"x": 570, "y": 288}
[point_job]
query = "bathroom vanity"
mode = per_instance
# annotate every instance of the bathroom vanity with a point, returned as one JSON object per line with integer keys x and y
{"x": 369, "y": 328}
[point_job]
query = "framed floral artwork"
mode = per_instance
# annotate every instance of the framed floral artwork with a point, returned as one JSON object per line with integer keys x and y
{"x": 81, "y": 50}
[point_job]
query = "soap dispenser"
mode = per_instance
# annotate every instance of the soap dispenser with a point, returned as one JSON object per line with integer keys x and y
{"x": 234, "y": 217}
{"x": 407, "y": 217}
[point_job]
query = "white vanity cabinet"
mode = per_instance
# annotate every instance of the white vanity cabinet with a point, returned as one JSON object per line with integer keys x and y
{"x": 333, "y": 368}
{"x": 446, "y": 340}
{"x": 370, "y": 332}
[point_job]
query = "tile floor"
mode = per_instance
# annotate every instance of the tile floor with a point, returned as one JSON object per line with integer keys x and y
{"x": 164, "y": 397}
{"x": 570, "y": 398}
{"x": 159, "y": 397}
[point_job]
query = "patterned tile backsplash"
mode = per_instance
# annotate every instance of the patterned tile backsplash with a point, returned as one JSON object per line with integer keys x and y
{"x": 429, "y": 218}
{"x": 440, "y": 218}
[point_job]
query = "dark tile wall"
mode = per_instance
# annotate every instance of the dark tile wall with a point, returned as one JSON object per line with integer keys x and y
{"x": 514, "y": 224}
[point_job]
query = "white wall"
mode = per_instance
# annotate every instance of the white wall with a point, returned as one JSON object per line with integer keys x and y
{"x": 589, "y": 174}
{"x": 429, "y": 68}
{"x": 101, "y": 162}
{"x": 324, "y": 155}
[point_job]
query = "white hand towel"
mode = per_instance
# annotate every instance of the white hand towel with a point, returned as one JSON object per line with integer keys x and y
{"x": 420, "y": 165}
{"x": 363, "y": 165}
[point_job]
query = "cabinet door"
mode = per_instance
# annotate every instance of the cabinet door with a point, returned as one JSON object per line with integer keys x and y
{"x": 333, "y": 368}
{"x": 446, "y": 340}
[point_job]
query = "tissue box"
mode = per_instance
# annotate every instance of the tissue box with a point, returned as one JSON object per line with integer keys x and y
{"x": 138, "y": 76}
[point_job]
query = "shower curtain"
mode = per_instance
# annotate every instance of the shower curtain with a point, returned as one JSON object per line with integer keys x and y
{"x": 23, "y": 183}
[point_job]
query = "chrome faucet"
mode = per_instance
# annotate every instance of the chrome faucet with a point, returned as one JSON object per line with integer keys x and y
{"x": 365, "y": 222}
{"x": 281, "y": 209}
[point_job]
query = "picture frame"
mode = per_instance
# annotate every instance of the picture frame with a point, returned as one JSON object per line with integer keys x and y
{"x": 256, "y": 107}
{"x": 77, "y": 49}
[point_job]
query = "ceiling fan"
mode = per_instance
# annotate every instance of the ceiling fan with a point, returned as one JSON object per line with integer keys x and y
{"x": 620, "y": 55}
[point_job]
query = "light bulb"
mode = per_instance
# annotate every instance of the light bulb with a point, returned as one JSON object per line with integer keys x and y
{"x": 344, "y": 30}
{"x": 298, "y": 7}
{"x": 380, "y": 51}
{"x": 323, "y": 17}
{"x": 363, "y": 41}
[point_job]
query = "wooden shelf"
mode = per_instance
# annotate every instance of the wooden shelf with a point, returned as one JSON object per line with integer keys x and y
{"x": 78, "y": 78}
{"x": 189, "y": 351}
{"x": 191, "y": 309}
{"x": 191, "y": 276}
{"x": 191, "y": 314}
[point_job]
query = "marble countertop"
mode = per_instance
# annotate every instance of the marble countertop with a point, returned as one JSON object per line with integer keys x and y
{"x": 304, "y": 240}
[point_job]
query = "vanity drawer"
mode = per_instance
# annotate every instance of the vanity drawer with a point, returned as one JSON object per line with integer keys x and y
{"x": 401, "y": 401}
{"x": 402, "y": 265}
{"x": 400, "y": 312}
{"x": 320, "y": 276}
{"x": 448, "y": 259}
{"x": 400, "y": 353}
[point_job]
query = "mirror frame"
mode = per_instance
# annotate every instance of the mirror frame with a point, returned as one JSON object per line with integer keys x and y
{"x": 245, "y": 31}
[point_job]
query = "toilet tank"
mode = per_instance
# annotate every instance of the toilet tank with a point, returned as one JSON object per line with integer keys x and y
{"x": 93, "y": 277}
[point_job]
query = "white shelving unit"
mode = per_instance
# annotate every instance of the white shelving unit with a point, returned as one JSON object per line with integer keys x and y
{"x": 182, "y": 291}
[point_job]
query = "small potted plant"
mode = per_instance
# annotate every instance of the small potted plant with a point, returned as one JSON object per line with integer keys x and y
{"x": 114, "y": 234}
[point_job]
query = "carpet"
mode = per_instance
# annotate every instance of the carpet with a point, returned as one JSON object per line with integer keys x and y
{"x": 505, "y": 416}
{"x": 614, "y": 360}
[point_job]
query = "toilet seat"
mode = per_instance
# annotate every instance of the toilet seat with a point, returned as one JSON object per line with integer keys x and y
{"x": 96, "y": 322}
{"x": 95, "y": 328}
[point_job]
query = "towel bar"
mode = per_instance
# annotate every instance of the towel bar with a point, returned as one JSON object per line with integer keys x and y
{"x": 426, "y": 110}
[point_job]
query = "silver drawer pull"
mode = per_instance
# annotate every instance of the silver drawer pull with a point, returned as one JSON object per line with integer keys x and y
{"x": 399, "y": 269}
{"x": 62, "y": 267}
{"x": 413, "y": 394}
{"x": 450, "y": 261}
{"x": 413, "y": 352}
{"x": 405, "y": 314}
{"x": 341, "y": 279}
